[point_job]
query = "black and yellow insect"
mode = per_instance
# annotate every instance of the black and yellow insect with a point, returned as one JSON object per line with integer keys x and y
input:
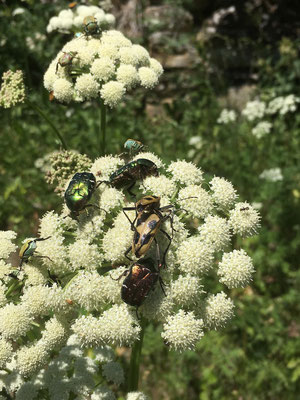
{"x": 149, "y": 218}
{"x": 29, "y": 248}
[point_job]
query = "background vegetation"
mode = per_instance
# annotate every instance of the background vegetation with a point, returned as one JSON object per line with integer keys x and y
{"x": 252, "y": 51}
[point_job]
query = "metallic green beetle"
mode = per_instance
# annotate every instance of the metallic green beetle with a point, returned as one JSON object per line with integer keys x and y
{"x": 90, "y": 26}
{"x": 79, "y": 192}
{"x": 66, "y": 59}
{"x": 133, "y": 171}
{"x": 28, "y": 250}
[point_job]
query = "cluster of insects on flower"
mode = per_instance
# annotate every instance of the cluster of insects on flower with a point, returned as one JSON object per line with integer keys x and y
{"x": 149, "y": 217}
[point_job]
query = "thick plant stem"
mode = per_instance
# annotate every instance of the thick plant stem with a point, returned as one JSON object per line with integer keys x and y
{"x": 102, "y": 131}
{"x": 134, "y": 368}
{"x": 50, "y": 123}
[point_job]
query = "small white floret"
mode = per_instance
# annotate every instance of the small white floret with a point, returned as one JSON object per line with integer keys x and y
{"x": 235, "y": 269}
{"x": 182, "y": 331}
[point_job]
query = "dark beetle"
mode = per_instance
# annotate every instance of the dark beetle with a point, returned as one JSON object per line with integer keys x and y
{"x": 133, "y": 171}
{"x": 79, "y": 192}
{"x": 140, "y": 280}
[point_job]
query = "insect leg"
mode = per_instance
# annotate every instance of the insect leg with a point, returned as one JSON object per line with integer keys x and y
{"x": 126, "y": 252}
{"x": 157, "y": 254}
{"x": 41, "y": 239}
{"x": 165, "y": 252}
{"x": 121, "y": 276}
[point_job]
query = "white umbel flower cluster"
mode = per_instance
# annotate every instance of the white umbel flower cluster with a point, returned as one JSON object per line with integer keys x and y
{"x": 71, "y": 19}
{"x": 272, "y": 175}
{"x": 104, "y": 65}
{"x": 69, "y": 301}
{"x": 227, "y": 116}
{"x": 218, "y": 310}
{"x": 254, "y": 109}
{"x": 235, "y": 269}
{"x": 261, "y": 129}
{"x": 182, "y": 331}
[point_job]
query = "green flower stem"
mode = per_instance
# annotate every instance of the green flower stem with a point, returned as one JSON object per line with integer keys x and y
{"x": 102, "y": 130}
{"x": 50, "y": 123}
{"x": 134, "y": 368}
{"x": 14, "y": 286}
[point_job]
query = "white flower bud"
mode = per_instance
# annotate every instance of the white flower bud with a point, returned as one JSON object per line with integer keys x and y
{"x": 244, "y": 219}
{"x": 14, "y": 321}
{"x": 87, "y": 87}
{"x": 223, "y": 193}
{"x": 194, "y": 256}
{"x": 6, "y": 352}
{"x": 159, "y": 185}
{"x": 195, "y": 200}
{"x": 235, "y": 269}
{"x": 31, "y": 358}
{"x": 186, "y": 290}
{"x": 185, "y": 173}
{"x": 136, "y": 396}
{"x": 218, "y": 310}
{"x": 112, "y": 93}
{"x": 103, "y": 68}
{"x": 127, "y": 74}
{"x": 182, "y": 331}
{"x": 63, "y": 90}
{"x": 148, "y": 77}
{"x": 215, "y": 231}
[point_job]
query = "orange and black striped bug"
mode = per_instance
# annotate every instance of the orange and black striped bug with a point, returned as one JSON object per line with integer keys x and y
{"x": 149, "y": 218}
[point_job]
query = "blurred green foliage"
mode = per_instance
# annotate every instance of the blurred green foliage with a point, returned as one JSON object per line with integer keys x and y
{"x": 257, "y": 356}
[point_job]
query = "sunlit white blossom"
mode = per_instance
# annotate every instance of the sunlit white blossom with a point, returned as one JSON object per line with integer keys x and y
{"x": 218, "y": 310}
{"x": 186, "y": 290}
{"x": 215, "y": 231}
{"x": 14, "y": 321}
{"x": 195, "y": 200}
{"x": 235, "y": 269}
{"x": 261, "y": 129}
{"x": 182, "y": 331}
{"x": 272, "y": 175}
{"x": 226, "y": 116}
{"x": 185, "y": 173}
{"x": 158, "y": 185}
{"x": 254, "y": 109}
{"x": 194, "y": 256}
{"x": 283, "y": 105}
{"x": 136, "y": 396}
{"x": 244, "y": 219}
{"x": 223, "y": 192}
